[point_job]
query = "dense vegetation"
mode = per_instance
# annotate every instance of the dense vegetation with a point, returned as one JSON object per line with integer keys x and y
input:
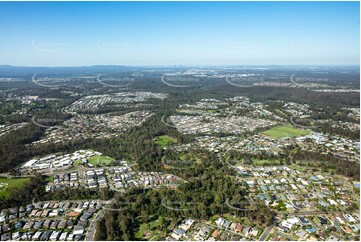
{"x": 340, "y": 166}
{"x": 13, "y": 150}
{"x": 201, "y": 199}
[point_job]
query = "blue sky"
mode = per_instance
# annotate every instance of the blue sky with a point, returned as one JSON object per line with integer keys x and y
{"x": 179, "y": 33}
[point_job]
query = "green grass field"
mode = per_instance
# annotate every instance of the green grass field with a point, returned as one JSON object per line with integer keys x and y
{"x": 49, "y": 179}
{"x": 257, "y": 162}
{"x": 153, "y": 228}
{"x": 100, "y": 160}
{"x": 78, "y": 162}
{"x": 165, "y": 140}
{"x": 279, "y": 112}
{"x": 231, "y": 218}
{"x": 190, "y": 157}
{"x": 284, "y": 131}
{"x": 7, "y": 185}
{"x": 187, "y": 111}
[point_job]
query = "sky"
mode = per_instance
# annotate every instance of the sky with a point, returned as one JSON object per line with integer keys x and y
{"x": 179, "y": 33}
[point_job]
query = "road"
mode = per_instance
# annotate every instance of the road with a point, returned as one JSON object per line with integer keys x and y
{"x": 301, "y": 126}
{"x": 297, "y": 84}
{"x": 291, "y": 79}
{"x": 89, "y": 236}
{"x": 153, "y": 237}
{"x": 310, "y": 213}
{"x": 266, "y": 232}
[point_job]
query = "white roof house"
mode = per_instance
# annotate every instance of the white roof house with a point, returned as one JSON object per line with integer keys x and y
{"x": 30, "y": 163}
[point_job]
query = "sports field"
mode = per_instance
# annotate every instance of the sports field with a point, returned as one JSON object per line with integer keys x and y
{"x": 100, "y": 160}
{"x": 284, "y": 131}
{"x": 257, "y": 162}
{"x": 8, "y": 184}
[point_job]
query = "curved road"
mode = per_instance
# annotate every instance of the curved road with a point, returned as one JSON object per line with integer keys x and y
{"x": 301, "y": 126}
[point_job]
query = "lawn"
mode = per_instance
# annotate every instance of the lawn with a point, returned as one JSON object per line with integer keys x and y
{"x": 284, "y": 131}
{"x": 187, "y": 111}
{"x": 100, "y": 160}
{"x": 49, "y": 179}
{"x": 281, "y": 206}
{"x": 165, "y": 140}
{"x": 7, "y": 185}
{"x": 257, "y": 162}
{"x": 231, "y": 218}
{"x": 78, "y": 162}
{"x": 190, "y": 157}
{"x": 152, "y": 228}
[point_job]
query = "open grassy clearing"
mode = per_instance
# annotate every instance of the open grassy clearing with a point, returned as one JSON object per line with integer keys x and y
{"x": 8, "y": 184}
{"x": 151, "y": 230}
{"x": 284, "y": 131}
{"x": 49, "y": 179}
{"x": 165, "y": 140}
{"x": 188, "y": 111}
{"x": 100, "y": 160}
{"x": 257, "y": 162}
{"x": 78, "y": 162}
{"x": 190, "y": 157}
{"x": 231, "y": 218}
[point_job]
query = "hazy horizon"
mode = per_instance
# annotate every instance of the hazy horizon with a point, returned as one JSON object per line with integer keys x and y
{"x": 181, "y": 66}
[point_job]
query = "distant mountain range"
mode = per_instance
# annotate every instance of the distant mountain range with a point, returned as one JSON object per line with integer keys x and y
{"x": 21, "y": 70}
